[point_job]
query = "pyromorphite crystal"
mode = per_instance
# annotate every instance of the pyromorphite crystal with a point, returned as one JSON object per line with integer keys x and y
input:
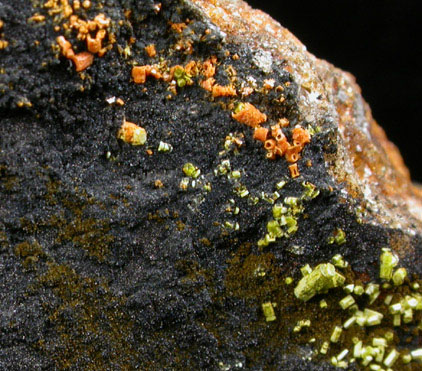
{"x": 191, "y": 170}
{"x": 399, "y": 276}
{"x": 274, "y": 229}
{"x": 268, "y": 310}
{"x": 388, "y": 261}
{"x": 321, "y": 279}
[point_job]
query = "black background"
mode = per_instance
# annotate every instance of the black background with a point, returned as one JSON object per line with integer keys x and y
{"x": 378, "y": 41}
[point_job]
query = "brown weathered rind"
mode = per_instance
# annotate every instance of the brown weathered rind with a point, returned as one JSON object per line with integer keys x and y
{"x": 371, "y": 164}
{"x": 368, "y": 164}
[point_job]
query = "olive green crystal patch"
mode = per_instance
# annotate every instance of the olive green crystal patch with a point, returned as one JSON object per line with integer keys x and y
{"x": 321, "y": 279}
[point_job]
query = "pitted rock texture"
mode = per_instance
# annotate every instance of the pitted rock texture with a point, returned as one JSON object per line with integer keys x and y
{"x": 112, "y": 258}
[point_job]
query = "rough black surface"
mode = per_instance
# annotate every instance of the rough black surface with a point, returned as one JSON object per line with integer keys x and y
{"x": 100, "y": 269}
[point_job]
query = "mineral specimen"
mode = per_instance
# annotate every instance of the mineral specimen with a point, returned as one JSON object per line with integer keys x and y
{"x": 178, "y": 244}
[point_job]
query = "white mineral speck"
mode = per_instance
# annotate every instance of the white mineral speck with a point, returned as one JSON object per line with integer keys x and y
{"x": 111, "y": 100}
{"x": 263, "y": 60}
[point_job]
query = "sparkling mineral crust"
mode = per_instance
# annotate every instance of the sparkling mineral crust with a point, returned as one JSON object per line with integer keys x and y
{"x": 184, "y": 187}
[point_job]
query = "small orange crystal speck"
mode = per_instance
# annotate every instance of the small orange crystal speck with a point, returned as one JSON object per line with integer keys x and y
{"x": 294, "y": 171}
{"x": 150, "y": 50}
{"x": 250, "y": 115}
{"x": 82, "y": 60}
